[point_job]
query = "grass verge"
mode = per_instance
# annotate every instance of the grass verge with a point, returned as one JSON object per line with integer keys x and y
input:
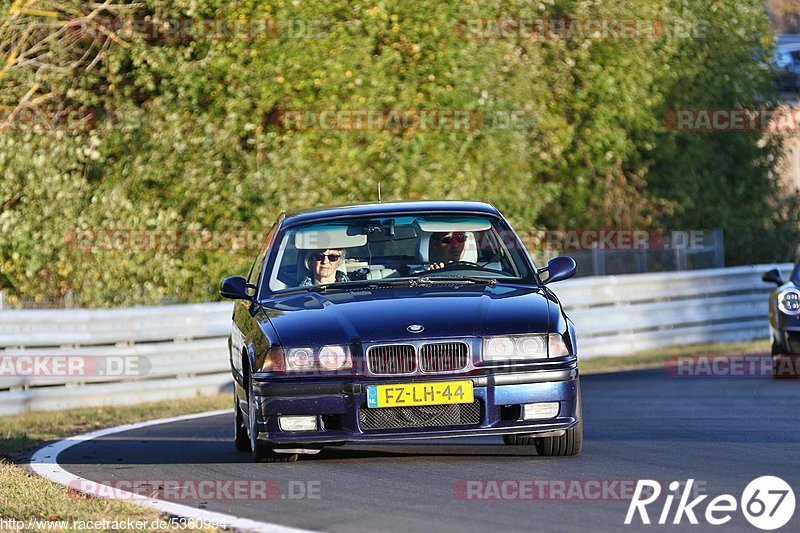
{"x": 28, "y": 498}
{"x": 657, "y": 358}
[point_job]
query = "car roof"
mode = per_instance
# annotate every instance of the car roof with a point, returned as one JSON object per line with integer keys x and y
{"x": 787, "y": 38}
{"x": 787, "y": 48}
{"x": 387, "y": 208}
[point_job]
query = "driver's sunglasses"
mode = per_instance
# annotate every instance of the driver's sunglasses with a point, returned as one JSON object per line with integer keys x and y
{"x": 459, "y": 238}
{"x": 331, "y": 257}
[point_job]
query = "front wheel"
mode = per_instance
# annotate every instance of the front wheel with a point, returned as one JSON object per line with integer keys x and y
{"x": 569, "y": 443}
{"x": 265, "y": 454}
{"x": 260, "y": 452}
{"x": 240, "y": 438}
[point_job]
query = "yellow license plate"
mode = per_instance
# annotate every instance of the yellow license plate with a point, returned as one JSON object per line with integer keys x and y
{"x": 410, "y": 394}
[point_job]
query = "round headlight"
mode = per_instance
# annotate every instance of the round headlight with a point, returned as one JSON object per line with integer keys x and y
{"x": 334, "y": 358}
{"x": 499, "y": 347}
{"x": 533, "y": 346}
{"x": 789, "y": 302}
{"x": 299, "y": 359}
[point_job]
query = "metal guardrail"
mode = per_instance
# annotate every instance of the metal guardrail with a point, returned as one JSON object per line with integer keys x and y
{"x": 670, "y": 251}
{"x": 125, "y": 356}
{"x": 181, "y": 350}
{"x": 617, "y": 315}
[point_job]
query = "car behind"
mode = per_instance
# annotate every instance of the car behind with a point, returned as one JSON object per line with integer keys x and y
{"x": 784, "y": 321}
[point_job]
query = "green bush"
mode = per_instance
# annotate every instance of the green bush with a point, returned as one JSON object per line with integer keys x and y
{"x": 191, "y": 135}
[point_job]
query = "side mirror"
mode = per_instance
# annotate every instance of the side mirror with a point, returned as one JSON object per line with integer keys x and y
{"x": 235, "y": 288}
{"x": 559, "y": 268}
{"x": 772, "y": 276}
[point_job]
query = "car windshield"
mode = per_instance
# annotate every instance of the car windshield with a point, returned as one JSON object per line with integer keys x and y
{"x": 426, "y": 248}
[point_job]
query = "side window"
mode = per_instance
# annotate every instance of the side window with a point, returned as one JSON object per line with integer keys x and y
{"x": 255, "y": 270}
{"x": 258, "y": 265}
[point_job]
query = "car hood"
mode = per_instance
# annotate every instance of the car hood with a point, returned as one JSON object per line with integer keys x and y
{"x": 384, "y": 313}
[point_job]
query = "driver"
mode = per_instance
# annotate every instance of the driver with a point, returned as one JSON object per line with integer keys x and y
{"x": 447, "y": 248}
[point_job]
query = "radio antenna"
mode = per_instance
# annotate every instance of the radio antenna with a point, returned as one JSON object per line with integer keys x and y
{"x": 379, "y": 191}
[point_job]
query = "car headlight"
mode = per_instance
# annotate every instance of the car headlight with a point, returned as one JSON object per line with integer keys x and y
{"x": 789, "y": 302}
{"x": 514, "y": 347}
{"x": 299, "y": 359}
{"x": 495, "y": 348}
{"x": 332, "y": 357}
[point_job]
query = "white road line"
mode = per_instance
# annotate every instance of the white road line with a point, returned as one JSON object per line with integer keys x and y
{"x": 45, "y": 463}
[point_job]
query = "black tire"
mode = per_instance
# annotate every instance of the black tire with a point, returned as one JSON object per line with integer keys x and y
{"x": 260, "y": 452}
{"x": 241, "y": 440}
{"x": 266, "y": 454}
{"x": 570, "y": 443}
{"x": 518, "y": 440}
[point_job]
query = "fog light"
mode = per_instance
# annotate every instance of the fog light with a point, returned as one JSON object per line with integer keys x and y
{"x": 297, "y": 423}
{"x": 539, "y": 411}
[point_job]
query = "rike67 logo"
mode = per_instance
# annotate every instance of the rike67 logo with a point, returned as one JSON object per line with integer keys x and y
{"x": 767, "y": 503}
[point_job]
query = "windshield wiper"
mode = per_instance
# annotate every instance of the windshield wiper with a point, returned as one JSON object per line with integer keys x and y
{"x": 401, "y": 282}
{"x": 424, "y": 281}
{"x": 361, "y": 283}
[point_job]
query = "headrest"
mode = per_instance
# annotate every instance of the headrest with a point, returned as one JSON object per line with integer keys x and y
{"x": 424, "y": 247}
{"x": 470, "y": 249}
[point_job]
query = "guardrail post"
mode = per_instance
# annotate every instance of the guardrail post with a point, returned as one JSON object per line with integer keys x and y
{"x": 680, "y": 242}
{"x": 719, "y": 248}
{"x": 641, "y": 260}
{"x": 680, "y": 260}
{"x": 69, "y": 300}
{"x": 3, "y": 300}
{"x": 598, "y": 261}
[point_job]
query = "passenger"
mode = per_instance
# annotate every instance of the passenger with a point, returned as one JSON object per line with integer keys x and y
{"x": 323, "y": 265}
{"x": 446, "y": 248}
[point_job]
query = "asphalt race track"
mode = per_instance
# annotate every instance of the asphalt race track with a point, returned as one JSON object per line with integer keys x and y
{"x": 721, "y": 432}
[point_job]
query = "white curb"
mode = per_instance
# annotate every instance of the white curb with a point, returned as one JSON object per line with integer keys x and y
{"x": 45, "y": 463}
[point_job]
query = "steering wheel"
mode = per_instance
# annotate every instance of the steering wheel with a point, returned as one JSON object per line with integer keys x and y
{"x": 454, "y": 265}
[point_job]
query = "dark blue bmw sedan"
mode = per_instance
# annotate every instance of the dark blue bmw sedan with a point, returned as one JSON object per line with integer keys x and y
{"x": 396, "y": 321}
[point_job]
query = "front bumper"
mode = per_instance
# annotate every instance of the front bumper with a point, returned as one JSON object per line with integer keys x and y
{"x": 337, "y": 404}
